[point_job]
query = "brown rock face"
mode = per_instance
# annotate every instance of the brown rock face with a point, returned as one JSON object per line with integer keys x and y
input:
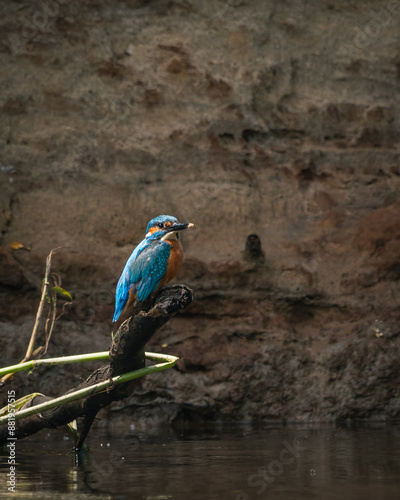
{"x": 275, "y": 119}
{"x": 10, "y": 271}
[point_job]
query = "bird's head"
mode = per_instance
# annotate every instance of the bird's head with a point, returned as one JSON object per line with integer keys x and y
{"x": 165, "y": 227}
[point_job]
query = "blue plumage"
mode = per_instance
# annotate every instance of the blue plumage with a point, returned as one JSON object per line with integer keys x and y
{"x": 142, "y": 272}
{"x": 161, "y": 219}
{"x": 148, "y": 263}
{"x": 150, "y": 267}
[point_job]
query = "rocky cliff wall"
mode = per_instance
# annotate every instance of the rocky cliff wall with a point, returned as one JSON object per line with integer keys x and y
{"x": 274, "y": 118}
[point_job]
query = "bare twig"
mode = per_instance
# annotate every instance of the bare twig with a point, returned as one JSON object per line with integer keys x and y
{"x": 31, "y": 345}
{"x": 51, "y": 317}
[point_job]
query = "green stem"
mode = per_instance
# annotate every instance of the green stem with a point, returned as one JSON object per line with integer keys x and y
{"x": 92, "y": 356}
{"x": 168, "y": 362}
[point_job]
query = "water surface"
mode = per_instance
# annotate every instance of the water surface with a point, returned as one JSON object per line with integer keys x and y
{"x": 214, "y": 462}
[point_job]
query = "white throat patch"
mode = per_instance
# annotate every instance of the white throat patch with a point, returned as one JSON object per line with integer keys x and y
{"x": 169, "y": 236}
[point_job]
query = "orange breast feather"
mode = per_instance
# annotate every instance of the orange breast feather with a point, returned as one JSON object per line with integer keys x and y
{"x": 174, "y": 262}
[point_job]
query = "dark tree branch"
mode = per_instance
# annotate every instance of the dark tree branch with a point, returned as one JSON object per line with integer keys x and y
{"x": 126, "y": 354}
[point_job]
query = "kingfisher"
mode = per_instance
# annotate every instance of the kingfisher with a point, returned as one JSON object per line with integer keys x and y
{"x": 153, "y": 263}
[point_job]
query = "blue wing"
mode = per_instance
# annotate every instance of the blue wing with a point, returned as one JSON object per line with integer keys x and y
{"x": 122, "y": 290}
{"x": 142, "y": 273}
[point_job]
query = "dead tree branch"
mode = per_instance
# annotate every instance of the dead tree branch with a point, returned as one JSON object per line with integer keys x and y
{"x": 126, "y": 354}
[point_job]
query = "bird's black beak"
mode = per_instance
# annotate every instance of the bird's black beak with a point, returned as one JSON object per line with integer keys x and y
{"x": 179, "y": 226}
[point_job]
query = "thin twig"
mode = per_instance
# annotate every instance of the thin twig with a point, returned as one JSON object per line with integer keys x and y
{"x": 45, "y": 288}
{"x": 51, "y": 317}
{"x": 31, "y": 345}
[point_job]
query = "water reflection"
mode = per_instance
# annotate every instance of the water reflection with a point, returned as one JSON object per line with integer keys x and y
{"x": 217, "y": 462}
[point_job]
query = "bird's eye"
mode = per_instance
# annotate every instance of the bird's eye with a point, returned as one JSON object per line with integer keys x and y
{"x": 160, "y": 225}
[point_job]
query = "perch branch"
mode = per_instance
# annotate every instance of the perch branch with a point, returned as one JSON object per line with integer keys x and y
{"x": 127, "y": 354}
{"x": 169, "y": 362}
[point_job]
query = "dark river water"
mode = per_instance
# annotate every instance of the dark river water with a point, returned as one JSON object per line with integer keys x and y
{"x": 214, "y": 462}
